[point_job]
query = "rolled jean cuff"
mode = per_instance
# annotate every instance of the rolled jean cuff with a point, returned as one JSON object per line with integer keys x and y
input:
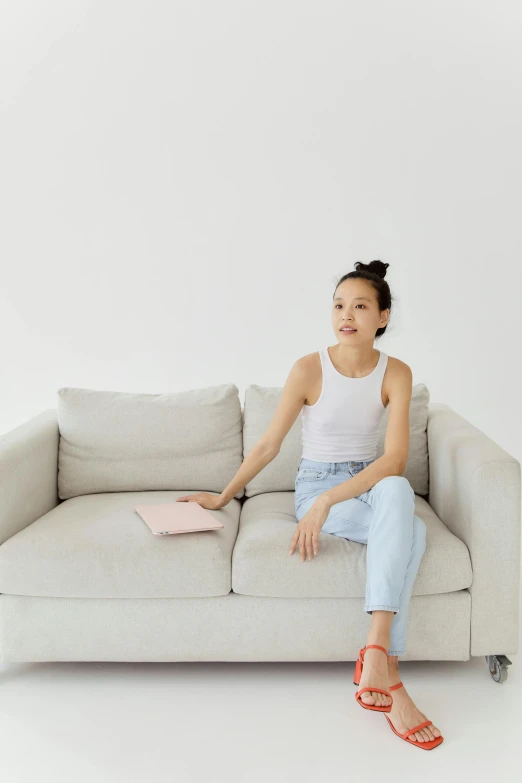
{"x": 376, "y": 608}
{"x": 396, "y": 652}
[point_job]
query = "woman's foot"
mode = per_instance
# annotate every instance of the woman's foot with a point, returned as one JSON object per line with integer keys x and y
{"x": 375, "y": 673}
{"x": 404, "y": 714}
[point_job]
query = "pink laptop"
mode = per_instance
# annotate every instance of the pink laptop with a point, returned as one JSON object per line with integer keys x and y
{"x": 184, "y": 517}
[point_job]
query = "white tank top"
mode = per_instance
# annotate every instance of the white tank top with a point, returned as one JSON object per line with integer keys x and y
{"x": 343, "y": 425}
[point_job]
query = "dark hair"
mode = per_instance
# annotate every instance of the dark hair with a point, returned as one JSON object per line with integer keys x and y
{"x": 374, "y": 273}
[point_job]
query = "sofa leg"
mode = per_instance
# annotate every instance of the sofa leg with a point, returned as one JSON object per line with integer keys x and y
{"x": 498, "y": 666}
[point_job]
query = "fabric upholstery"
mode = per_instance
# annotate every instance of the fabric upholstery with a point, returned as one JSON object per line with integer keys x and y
{"x": 97, "y": 546}
{"x": 475, "y": 488}
{"x": 261, "y": 564}
{"x": 123, "y": 442}
{"x": 28, "y": 468}
{"x": 225, "y": 628}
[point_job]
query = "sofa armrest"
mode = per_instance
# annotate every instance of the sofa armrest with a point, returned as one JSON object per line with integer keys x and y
{"x": 474, "y": 488}
{"x": 28, "y": 472}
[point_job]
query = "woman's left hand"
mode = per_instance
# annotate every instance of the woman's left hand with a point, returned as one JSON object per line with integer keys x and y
{"x": 308, "y": 529}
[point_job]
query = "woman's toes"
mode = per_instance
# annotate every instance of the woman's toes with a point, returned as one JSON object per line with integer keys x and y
{"x": 375, "y": 699}
{"x": 426, "y": 734}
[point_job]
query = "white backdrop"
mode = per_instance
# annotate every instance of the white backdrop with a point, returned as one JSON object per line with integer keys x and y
{"x": 182, "y": 184}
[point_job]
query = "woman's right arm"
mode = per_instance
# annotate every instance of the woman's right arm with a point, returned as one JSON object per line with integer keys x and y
{"x": 268, "y": 446}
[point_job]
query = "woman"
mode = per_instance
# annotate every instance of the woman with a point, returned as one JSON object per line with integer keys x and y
{"x": 343, "y": 490}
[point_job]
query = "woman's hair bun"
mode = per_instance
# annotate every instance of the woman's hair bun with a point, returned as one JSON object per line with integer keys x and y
{"x": 377, "y": 268}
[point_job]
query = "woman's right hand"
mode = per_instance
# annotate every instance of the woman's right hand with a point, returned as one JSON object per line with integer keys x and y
{"x": 204, "y": 499}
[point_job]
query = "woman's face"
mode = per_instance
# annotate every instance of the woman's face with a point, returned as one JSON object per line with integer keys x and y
{"x": 355, "y": 304}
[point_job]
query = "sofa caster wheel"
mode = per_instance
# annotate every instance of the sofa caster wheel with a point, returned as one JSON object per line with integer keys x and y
{"x": 498, "y": 667}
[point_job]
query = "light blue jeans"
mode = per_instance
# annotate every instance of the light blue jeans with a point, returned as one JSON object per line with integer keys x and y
{"x": 382, "y": 518}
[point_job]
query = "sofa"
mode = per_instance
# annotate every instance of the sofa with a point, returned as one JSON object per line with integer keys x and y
{"x": 82, "y": 578}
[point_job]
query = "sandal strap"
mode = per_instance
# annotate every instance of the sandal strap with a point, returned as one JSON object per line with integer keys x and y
{"x": 399, "y": 685}
{"x": 416, "y": 728}
{"x": 378, "y": 690}
{"x": 369, "y": 646}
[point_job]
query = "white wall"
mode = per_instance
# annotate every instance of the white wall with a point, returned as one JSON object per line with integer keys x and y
{"x": 182, "y": 183}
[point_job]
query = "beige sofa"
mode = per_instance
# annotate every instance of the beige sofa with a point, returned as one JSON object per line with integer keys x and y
{"x": 83, "y": 579}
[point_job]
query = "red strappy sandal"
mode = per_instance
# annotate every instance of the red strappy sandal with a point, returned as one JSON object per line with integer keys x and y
{"x": 406, "y": 736}
{"x": 357, "y": 680}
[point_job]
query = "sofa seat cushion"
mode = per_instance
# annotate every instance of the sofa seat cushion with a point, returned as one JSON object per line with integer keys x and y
{"x": 261, "y": 565}
{"x": 97, "y": 546}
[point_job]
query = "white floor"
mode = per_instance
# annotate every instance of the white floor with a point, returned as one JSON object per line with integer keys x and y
{"x": 246, "y": 722}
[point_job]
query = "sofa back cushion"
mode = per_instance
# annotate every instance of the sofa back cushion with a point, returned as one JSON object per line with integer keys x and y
{"x": 279, "y": 475}
{"x": 125, "y": 442}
